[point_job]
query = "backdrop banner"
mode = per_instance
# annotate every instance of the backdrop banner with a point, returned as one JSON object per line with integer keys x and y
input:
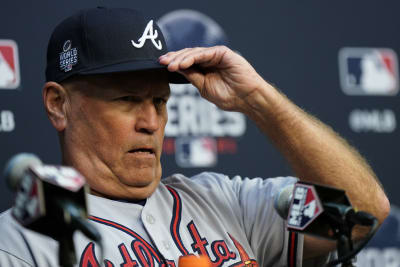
{"x": 336, "y": 59}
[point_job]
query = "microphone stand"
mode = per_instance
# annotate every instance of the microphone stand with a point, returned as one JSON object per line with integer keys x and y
{"x": 66, "y": 252}
{"x": 343, "y": 219}
{"x": 342, "y": 228}
{"x": 74, "y": 219}
{"x": 344, "y": 246}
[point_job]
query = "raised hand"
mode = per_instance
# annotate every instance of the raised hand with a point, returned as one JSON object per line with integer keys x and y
{"x": 222, "y": 76}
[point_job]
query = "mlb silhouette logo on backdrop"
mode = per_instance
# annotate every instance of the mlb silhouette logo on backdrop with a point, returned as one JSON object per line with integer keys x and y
{"x": 199, "y": 152}
{"x": 368, "y": 71}
{"x": 9, "y": 65}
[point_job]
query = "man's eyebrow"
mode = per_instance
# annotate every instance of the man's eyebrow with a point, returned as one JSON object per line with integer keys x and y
{"x": 140, "y": 92}
{"x": 132, "y": 89}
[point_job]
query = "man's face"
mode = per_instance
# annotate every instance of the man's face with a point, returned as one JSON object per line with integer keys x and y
{"x": 115, "y": 130}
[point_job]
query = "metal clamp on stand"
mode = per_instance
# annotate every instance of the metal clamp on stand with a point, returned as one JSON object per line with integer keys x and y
{"x": 343, "y": 220}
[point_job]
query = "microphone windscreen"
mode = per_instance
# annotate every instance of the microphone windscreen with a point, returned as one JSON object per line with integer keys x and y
{"x": 194, "y": 261}
{"x": 16, "y": 167}
{"x": 282, "y": 201}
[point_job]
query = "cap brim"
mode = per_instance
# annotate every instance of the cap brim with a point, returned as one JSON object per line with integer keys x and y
{"x": 173, "y": 77}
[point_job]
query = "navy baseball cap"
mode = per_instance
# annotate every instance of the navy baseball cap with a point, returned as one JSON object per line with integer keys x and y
{"x": 106, "y": 40}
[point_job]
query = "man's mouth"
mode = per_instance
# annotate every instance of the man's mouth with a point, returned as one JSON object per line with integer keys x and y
{"x": 142, "y": 150}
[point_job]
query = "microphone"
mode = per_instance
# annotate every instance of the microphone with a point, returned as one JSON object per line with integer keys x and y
{"x": 325, "y": 212}
{"x": 283, "y": 200}
{"x": 194, "y": 261}
{"x": 50, "y": 200}
{"x": 316, "y": 209}
{"x": 23, "y": 161}
{"x": 47, "y": 196}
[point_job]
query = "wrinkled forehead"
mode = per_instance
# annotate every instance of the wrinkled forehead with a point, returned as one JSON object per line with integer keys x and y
{"x": 137, "y": 82}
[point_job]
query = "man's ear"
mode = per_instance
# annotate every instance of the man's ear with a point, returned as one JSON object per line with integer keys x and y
{"x": 55, "y": 101}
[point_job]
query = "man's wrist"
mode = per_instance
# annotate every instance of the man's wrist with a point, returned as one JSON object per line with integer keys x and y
{"x": 265, "y": 100}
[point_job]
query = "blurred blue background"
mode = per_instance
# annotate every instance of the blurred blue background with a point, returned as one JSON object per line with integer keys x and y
{"x": 336, "y": 59}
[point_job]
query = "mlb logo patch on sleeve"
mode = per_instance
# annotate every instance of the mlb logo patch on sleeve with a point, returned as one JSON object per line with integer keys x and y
{"x": 368, "y": 71}
{"x": 9, "y": 65}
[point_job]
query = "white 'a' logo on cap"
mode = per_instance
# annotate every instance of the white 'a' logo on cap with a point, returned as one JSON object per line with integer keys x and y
{"x": 148, "y": 34}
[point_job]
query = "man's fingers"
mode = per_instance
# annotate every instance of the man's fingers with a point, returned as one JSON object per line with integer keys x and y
{"x": 170, "y": 57}
{"x": 195, "y": 77}
{"x": 185, "y": 58}
{"x": 178, "y": 58}
{"x": 205, "y": 58}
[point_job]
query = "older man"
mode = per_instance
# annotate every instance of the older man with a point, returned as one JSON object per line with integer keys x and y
{"x": 106, "y": 93}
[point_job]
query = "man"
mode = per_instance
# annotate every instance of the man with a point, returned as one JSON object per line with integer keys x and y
{"x": 106, "y": 93}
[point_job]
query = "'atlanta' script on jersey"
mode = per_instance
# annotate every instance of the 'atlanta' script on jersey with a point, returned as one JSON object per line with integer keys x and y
{"x": 141, "y": 253}
{"x": 138, "y": 252}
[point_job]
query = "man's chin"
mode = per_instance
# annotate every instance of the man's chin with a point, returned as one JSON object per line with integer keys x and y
{"x": 140, "y": 178}
{"x": 141, "y": 190}
{"x": 128, "y": 190}
{"x": 141, "y": 181}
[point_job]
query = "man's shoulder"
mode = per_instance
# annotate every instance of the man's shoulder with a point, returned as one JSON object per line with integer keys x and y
{"x": 201, "y": 178}
{"x": 8, "y": 225}
{"x": 218, "y": 180}
{"x": 214, "y": 186}
{"x": 18, "y": 244}
{"x": 5, "y": 216}
{"x": 12, "y": 243}
{"x": 203, "y": 184}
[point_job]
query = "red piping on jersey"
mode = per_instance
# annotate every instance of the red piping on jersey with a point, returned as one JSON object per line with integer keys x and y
{"x": 292, "y": 249}
{"x": 245, "y": 259}
{"x": 176, "y": 220}
{"x": 243, "y": 255}
{"x": 128, "y": 231}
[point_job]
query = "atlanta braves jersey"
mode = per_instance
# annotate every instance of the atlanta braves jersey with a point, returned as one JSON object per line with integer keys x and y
{"x": 232, "y": 221}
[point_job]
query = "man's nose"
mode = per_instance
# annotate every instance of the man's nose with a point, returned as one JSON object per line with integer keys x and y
{"x": 148, "y": 119}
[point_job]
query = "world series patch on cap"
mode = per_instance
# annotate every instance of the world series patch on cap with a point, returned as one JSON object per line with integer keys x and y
{"x": 105, "y": 40}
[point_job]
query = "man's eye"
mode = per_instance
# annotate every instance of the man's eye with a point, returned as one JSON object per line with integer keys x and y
{"x": 128, "y": 98}
{"x": 160, "y": 100}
